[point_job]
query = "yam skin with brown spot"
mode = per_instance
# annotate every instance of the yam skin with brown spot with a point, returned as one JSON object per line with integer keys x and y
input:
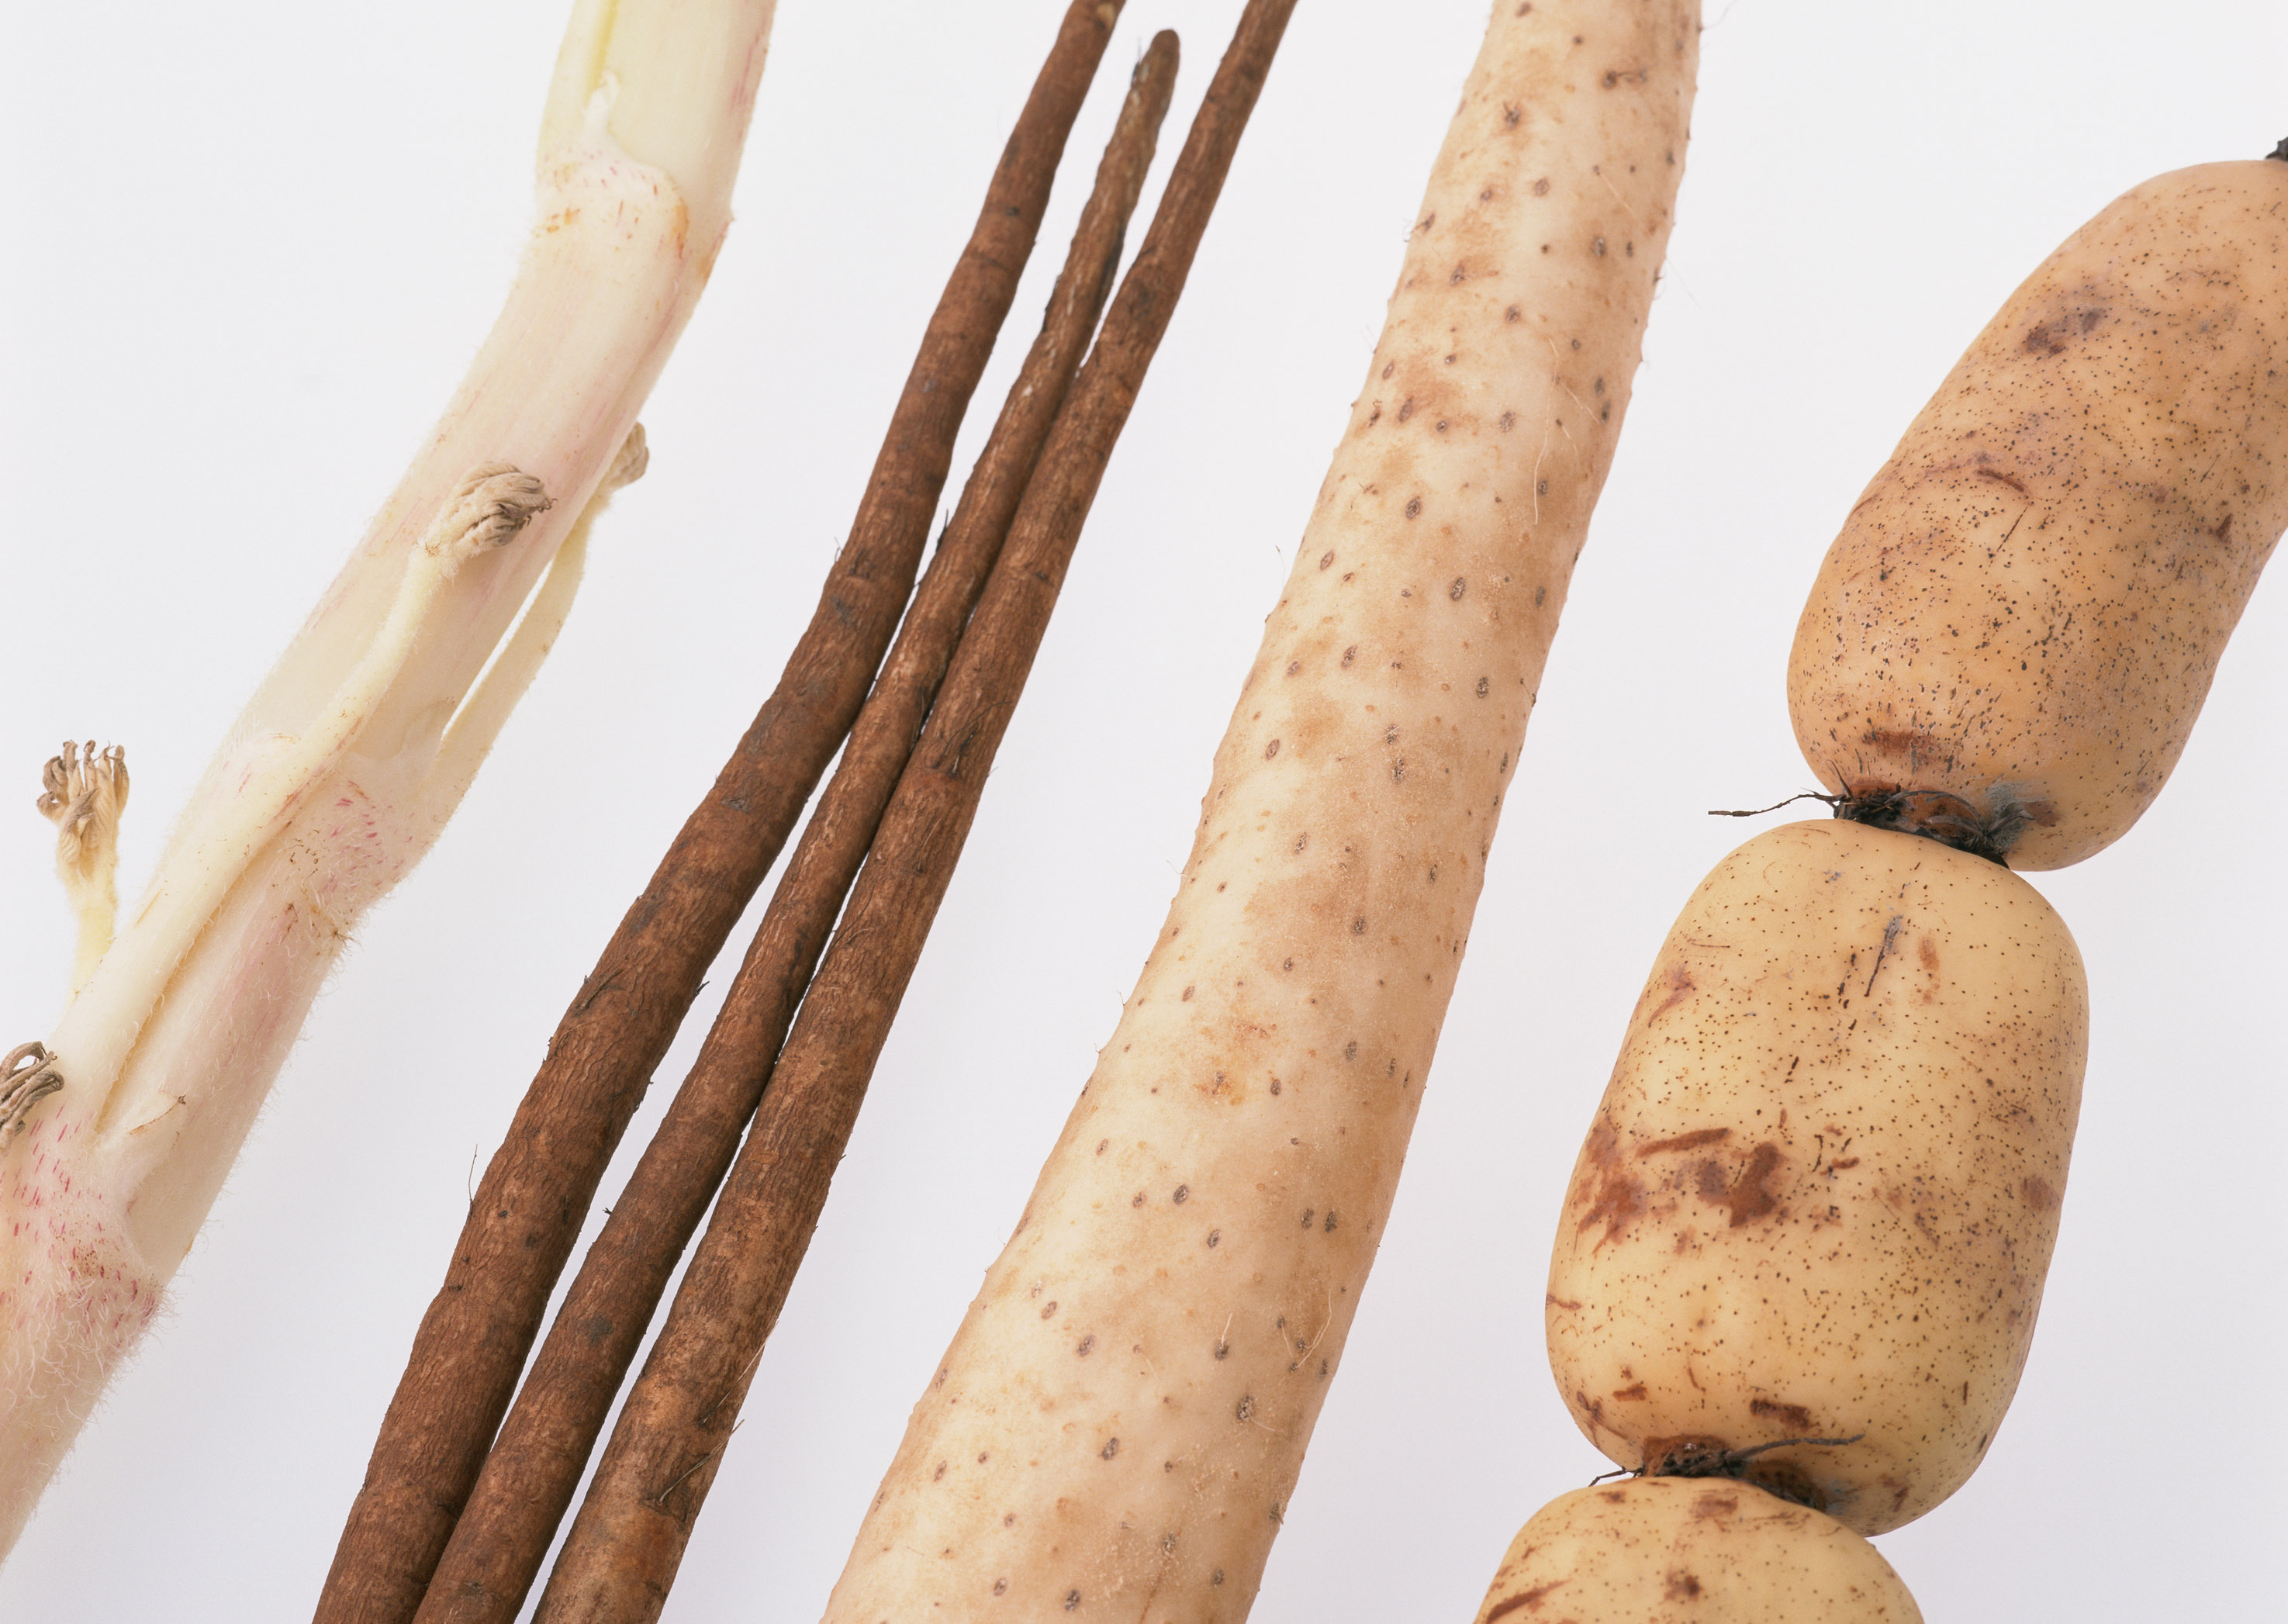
{"x": 1119, "y": 1423}
{"x": 1819, "y": 1197}
{"x": 1675, "y": 1550}
{"x": 2036, "y": 588}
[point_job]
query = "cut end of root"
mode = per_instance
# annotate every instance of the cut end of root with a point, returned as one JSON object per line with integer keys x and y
{"x": 490, "y": 506}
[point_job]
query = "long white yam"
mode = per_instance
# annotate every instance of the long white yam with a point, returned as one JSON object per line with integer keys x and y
{"x": 1119, "y": 1422}
{"x": 118, "y": 1131}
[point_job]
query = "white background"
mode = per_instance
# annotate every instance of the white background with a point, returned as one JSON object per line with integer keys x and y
{"x": 250, "y": 249}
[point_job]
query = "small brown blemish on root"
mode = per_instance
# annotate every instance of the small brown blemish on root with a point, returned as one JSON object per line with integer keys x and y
{"x": 1614, "y": 1197}
{"x": 1794, "y": 1416}
{"x": 1111, "y": 1448}
{"x": 2039, "y": 1192}
{"x": 1183, "y": 1194}
{"x": 1681, "y": 1585}
{"x": 1532, "y": 1598}
{"x": 1679, "y": 988}
{"x": 1271, "y": 749}
{"x": 1684, "y": 1142}
{"x": 1749, "y": 1199}
{"x": 1085, "y": 1343}
{"x": 1414, "y": 507}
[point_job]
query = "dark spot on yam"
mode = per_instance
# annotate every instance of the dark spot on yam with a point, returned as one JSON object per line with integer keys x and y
{"x": 1111, "y": 1448}
{"x": 1271, "y": 749}
{"x": 1325, "y": 558}
{"x": 1681, "y": 1585}
{"x": 1715, "y": 1505}
{"x": 1461, "y": 585}
{"x": 2040, "y": 1194}
{"x": 1632, "y": 1394}
{"x": 1555, "y": 1302}
{"x": 1912, "y": 746}
{"x": 1072, "y": 1601}
{"x": 1530, "y": 1599}
{"x": 1679, "y": 988}
{"x": 1928, "y": 951}
{"x": 1999, "y": 478}
{"x": 1414, "y": 507}
{"x": 1407, "y": 411}
{"x": 1749, "y": 1198}
{"x": 1246, "y": 1408}
{"x": 1086, "y": 1343}
{"x": 1792, "y": 1416}
{"x": 1684, "y": 1142}
{"x": 1612, "y": 1197}
{"x": 1183, "y": 1194}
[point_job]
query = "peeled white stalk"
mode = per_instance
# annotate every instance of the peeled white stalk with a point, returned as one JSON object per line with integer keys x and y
{"x": 119, "y": 1129}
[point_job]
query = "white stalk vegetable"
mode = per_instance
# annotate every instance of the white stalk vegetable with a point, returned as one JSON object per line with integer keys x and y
{"x": 118, "y": 1131}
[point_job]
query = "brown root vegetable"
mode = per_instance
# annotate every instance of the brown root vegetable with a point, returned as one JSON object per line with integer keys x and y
{"x": 1672, "y": 1550}
{"x": 1819, "y": 1197}
{"x": 2026, "y": 607}
{"x": 1118, "y": 1425}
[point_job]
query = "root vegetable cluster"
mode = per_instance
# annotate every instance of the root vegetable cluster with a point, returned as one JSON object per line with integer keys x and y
{"x": 1802, "y": 1252}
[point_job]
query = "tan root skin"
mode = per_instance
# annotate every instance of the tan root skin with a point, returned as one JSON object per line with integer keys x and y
{"x": 1669, "y": 1550}
{"x": 1122, "y": 1418}
{"x": 1819, "y": 1197}
{"x": 2038, "y": 586}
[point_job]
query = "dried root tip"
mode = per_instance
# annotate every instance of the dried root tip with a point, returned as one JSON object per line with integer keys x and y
{"x": 490, "y": 505}
{"x": 83, "y": 794}
{"x": 1711, "y": 1457}
{"x": 1935, "y": 815}
{"x": 27, "y": 1076}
